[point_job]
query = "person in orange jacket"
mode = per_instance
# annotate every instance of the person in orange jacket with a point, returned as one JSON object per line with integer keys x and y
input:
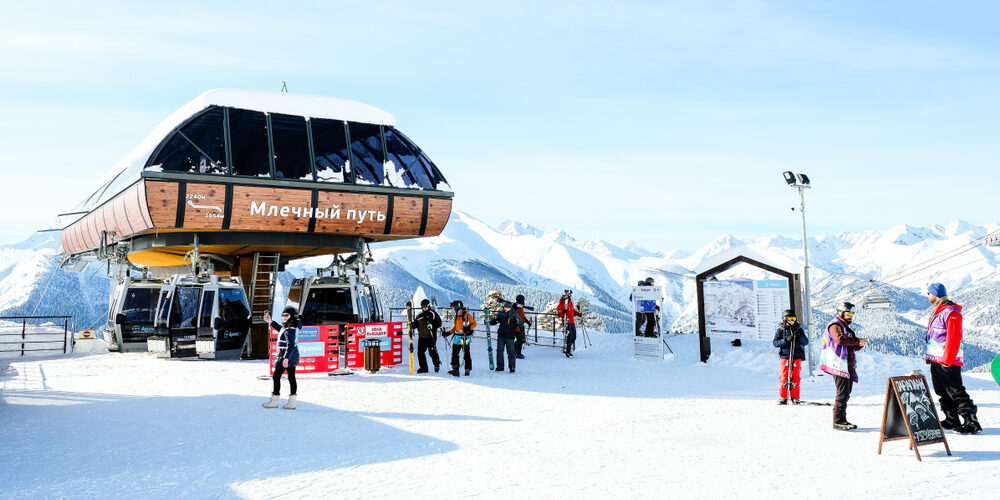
{"x": 945, "y": 355}
{"x": 465, "y": 323}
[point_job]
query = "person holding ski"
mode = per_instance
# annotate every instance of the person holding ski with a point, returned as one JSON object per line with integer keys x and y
{"x": 837, "y": 358}
{"x": 790, "y": 339}
{"x": 464, "y": 325}
{"x": 507, "y": 322}
{"x": 287, "y": 356}
{"x": 521, "y": 337}
{"x": 428, "y": 322}
{"x": 945, "y": 355}
{"x": 567, "y": 313}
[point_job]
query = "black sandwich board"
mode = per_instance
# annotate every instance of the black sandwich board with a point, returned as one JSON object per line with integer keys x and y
{"x": 910, "y": 414}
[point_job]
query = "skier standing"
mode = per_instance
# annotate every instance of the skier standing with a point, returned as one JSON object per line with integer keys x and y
{"x": 521, "y": 337}
{"x": 287, "y": 356}
{"x": 464, "y": 325}
{"x": 790, "y": 334}
{"x": 837, "y": 358}
{"x": 944, "y": 354}
{"x": 567, "y": 313}
{"x": 507, "y": 322}
{"x": 428, "y": 321}
{"x": 649, "y": 318}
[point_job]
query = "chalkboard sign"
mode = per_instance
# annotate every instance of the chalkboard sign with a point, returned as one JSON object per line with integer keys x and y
{"x": 910, "y": 414}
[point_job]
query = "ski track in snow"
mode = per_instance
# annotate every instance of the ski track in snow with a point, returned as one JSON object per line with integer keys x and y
{"x": 600, "y": 425}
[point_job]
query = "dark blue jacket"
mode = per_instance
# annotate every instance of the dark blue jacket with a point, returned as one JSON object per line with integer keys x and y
{"x": 508, "y": 324}
{"x": 784, "y": 346}
{"x": 288, "y": 343}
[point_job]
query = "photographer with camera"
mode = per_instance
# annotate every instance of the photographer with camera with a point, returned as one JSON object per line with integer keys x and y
{"x": 567, "y": 313}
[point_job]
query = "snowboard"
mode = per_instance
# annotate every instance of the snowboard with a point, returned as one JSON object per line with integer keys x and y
{"x": 995, "y": 369}
{"x": 489, "y": 341}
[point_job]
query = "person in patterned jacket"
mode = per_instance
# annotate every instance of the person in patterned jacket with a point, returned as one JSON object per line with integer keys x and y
{"x": 945, "y": 355}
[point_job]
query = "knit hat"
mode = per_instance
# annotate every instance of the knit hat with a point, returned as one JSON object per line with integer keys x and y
{"x": 937, "y": 290}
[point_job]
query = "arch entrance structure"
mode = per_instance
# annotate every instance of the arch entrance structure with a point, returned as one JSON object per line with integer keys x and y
{"x": 236, "y": 183}
{"x": 763, "y": 307}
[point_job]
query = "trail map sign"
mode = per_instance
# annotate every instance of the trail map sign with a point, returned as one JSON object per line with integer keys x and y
{"x": 744, "y": 309}
{"x": 910, "y": 414}
{"x": 645, "y": 299}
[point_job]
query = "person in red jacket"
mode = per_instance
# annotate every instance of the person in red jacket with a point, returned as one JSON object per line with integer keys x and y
{"x": 944, "y": 354}
{"x": 567, "y": 313}
{"x": 521, "y": 335}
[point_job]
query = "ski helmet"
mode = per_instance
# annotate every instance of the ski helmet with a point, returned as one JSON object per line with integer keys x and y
{"x": 457, "y": 305}
{"x": 649, "y": 280}
{"x": 788, "y": 313}
{"x": 425, "y": 303}
{"x": 519, "y": 299}
{"x": 845, "y": 307}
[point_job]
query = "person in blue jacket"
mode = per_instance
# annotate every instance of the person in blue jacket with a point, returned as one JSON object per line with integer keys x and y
{"x": 287, "y": 355}
{"x": 789, "y": 333}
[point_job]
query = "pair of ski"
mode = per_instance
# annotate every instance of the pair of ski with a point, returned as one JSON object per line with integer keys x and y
{"x": 409, "y": 328}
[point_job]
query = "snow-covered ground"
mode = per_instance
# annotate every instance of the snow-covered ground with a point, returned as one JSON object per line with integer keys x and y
{"x": 600, "y": 425}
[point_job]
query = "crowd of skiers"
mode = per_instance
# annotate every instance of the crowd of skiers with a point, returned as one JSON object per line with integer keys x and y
{"x": 837, "y": 358}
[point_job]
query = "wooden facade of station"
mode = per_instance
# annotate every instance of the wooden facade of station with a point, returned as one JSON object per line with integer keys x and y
{"x": 255, "y": 217}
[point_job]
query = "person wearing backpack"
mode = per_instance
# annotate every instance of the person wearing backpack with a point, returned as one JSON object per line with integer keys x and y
{"x": 462, "y": 331}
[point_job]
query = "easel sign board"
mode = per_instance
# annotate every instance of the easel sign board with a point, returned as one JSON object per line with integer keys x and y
{"x": 910, "y": 414}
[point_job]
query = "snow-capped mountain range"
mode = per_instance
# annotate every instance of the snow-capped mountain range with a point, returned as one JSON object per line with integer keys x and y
{"x": 471, "y": 258}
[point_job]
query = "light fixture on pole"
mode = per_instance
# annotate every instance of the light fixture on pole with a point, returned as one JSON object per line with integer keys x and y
{"x": 801, "y": 182}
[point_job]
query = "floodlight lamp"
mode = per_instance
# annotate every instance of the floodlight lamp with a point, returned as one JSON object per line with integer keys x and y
{"x": 789, "y": 177}
{"x": 803, "y": 179}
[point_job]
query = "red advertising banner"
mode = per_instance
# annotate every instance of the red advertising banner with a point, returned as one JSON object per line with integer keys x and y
{"x": 390, "y": 336}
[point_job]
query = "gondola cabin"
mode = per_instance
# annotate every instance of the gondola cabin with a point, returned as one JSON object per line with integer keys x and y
{"x": 258, "y": 172}
{"x": 335, "y": 300}
{"x": 132, "y": 313}
{"x": 200, "y": 316}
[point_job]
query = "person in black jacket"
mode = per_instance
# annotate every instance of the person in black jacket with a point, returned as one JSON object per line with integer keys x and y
{"x": 790, "y": 333}
{"x": 428, "y": 322}
{"x": 287, "y": 355}
{"x": 508, "y": 322}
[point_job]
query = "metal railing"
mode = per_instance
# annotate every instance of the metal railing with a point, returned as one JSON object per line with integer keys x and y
{"x": 551, "y": 337}
{"x": 26, "y": 334}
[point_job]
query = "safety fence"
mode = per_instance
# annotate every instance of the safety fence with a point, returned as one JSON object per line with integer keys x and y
{"x": 552, "y": 336}
{"x": 27, "y": 334}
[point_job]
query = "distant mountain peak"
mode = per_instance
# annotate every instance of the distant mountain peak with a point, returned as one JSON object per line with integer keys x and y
{"x": 517, "y": 228}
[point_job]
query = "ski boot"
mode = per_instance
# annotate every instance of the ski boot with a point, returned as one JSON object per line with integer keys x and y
{"x": 970, "y": 426}
{"x": 951, "y": 420}
{"x": 795, "y": 401}
{"x": 844, "y": 426}
{"x": 272, "y": 403}
{"x": 437, "y": 367}
{"x": 467, "y": 372}
{"x": 453, "y": 373}
{"x": 783, "y": 401}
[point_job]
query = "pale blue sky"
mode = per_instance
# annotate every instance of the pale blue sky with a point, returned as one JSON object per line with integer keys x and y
{"x": 665, "y": 123}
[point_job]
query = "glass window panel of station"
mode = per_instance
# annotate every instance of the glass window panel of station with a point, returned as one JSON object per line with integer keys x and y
{"x": 366, "y": 153}
{"x": 330, "y": 147}
{"x": 401, "y": 154}
{"x": 248, "y": 139}
{"x": 437, "y": 180}
{"x": 291, "y": 147}
{"x": 199, "y": 147}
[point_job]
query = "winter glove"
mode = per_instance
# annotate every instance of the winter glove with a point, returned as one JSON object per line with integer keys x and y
{"x": 788, "y": 339}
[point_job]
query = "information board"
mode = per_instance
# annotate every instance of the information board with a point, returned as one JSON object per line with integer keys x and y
{"x": 319, "y": 348}
{"x": 909, "y": 413}
{"x": 744, "y": 309}
{"x": 390, "y": 336}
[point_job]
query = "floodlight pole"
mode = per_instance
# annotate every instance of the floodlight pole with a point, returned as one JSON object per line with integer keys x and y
{"x": 805, "y": 278}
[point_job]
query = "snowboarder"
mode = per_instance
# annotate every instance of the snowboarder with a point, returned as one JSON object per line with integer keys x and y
{"x": 567, "y": 313}
{"x": 788, "y": 337}
{"x": 837, "y": 358}
{"x": 521, "y": 338}
{"x": 944, "y": 354}
{"x": 464, "y": 325}
{"x": 287, "y": 356}
{"x": 507, "y": 322}
{"x": 428, "y": 322}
